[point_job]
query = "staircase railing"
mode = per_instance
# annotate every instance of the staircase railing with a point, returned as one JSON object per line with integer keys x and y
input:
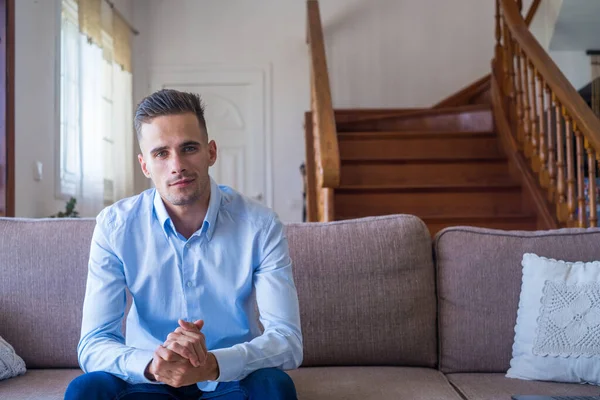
{"x": 545, "y": 121}
{"x": 322, "y": 151}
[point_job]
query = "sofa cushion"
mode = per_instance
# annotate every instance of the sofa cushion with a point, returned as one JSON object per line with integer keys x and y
{"x": 38, "y": 384}
{"x": 366, "y": 291}
{"x": 11, "y": 364}
{"x": 498, "y": 387}
{"x": 44, "y": 270}
{"x": 479, "y": 281}
{"x": 366, "y": 383}
{"x": 558, "y": 321}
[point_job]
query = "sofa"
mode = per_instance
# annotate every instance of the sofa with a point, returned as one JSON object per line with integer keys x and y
{"x": 387, "y": 312}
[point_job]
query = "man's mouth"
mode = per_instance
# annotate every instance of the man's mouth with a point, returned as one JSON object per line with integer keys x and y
{"x": 182, "y": 182}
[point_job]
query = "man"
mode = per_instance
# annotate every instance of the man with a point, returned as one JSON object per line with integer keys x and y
{"x": 194, "y": 256}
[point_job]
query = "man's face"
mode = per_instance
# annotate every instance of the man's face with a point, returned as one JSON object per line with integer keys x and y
{"x": 176, "y": 155}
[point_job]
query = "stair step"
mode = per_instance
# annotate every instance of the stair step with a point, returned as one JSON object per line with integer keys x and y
{"x": 429, "y": 188}
{"x": 505, "y": 222}
{"x": 360, "y": 114}
{"x": 465, "y": 118}
{"x": 415, "y": 144}
{"x": 428, "y": 204}
{"x": 416, "y": 172}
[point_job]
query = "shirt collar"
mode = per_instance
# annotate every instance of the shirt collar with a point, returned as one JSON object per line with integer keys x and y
{"x": 210, "y": 219}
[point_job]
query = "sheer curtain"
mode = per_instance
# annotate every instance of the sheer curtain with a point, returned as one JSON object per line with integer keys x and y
{"x": 96, "y": 147}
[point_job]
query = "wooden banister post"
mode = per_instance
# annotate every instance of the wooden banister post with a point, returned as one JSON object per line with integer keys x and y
{"x": 551, "y": 147}
{"x": 581, "y": 211}
{"x": 535, "y": 161}
{"x": 543, "y": 169}
{"x": 561, "y": 187}
{"x": 498, "y": 47}
{"x": 526, "y": 107}
{"x": 520, "y": 126}
{"x": 569, "y": 128}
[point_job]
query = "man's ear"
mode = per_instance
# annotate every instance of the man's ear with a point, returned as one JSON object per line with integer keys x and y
{"x": 143, "y": 165}
{"x": 212, "y": 151}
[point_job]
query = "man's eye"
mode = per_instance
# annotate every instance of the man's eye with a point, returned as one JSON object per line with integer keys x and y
{"x": 189, "y": 149}
{"x": 160, "y": 154}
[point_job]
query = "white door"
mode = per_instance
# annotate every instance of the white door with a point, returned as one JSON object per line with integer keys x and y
{"x": 236, "y": 117}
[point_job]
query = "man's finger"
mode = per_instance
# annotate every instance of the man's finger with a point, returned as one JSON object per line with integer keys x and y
{"x": 199, "y": 336}
{"x": 188, "y": 326}
{"x": 199, "y": 324}
{"x": 196, "y": 340}
{"x": 168, "y": 355}
{"x": 184, "y": 351}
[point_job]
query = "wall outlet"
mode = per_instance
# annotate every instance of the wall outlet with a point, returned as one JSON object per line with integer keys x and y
{"x": 38, "y": 171}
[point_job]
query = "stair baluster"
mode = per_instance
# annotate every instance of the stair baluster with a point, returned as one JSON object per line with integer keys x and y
{"x": 552, "y": 193}
{"x": 527, "y": 107}
{"x": 543, "y": 168}
{"x": 581, "y": 211}
{"x": 505, "y": 65}
{"x": 512, "y": 89}
{"x": 518, "y": 129}
{"x": 592, "y": 157}
{"x": 571, "y": 204}
{"x": 561, "y": 187}
{"x": 534, "y": 121}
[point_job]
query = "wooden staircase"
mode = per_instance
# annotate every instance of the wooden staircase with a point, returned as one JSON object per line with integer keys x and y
{"x": 517, "y": 149}
{"x": 443, "y": 165}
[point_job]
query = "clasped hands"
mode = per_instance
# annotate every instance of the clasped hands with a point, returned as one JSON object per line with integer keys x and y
{"x": 183, "y": 359}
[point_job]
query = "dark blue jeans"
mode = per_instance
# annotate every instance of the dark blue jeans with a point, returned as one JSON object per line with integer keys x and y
{"x": 267, "y": 384}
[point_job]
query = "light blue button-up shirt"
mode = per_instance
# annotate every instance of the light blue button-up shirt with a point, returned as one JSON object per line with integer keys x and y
{"x": 239, "y": 254}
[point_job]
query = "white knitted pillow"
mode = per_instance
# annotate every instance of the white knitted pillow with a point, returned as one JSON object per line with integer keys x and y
{"x": 557, "y": 335}
{"x": 11, "y": 364}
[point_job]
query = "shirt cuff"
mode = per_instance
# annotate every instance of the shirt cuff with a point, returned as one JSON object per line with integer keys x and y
{"x": 231, "y": 364}
{"x": 136, "y": 365}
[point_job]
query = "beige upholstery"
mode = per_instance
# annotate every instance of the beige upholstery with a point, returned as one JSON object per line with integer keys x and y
{"x": 479, "y": 282}
{"x": 498, "y": 387}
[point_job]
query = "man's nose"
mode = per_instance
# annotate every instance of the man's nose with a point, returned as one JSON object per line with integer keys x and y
{"x": 177, "y": 166}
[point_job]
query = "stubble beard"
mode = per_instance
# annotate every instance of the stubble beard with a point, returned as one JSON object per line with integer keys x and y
{"x": 185, "y": 199}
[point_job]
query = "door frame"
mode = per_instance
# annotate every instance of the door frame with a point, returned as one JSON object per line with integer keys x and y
{"x": 264, "y": 73}
{"x": 7, "y": 91}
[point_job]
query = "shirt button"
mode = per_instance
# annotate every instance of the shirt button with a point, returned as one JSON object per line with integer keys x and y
{"x": 187, "y": 245}
{"x": 189, "y": 284}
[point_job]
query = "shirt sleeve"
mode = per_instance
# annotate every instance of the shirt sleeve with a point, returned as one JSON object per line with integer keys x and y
{"x": 280, "y": 346}
{"x": 102, "y": 345}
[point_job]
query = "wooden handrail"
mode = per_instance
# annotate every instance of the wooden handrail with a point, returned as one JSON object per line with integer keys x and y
{"x": 578, "y": 110}
{"x": 326, "y": 149}
{"x": 545, "y": 123}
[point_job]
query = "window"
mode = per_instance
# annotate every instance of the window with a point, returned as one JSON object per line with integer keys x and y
{"x": 96, "y": 130}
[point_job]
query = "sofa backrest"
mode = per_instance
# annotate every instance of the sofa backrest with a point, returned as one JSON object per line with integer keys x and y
{"x": 479, "y": 282}
{"x": 43, "y": 270}
{"x": 366, "y": 291}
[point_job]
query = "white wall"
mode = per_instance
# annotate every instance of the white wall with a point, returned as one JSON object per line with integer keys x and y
{"x": 575, "y": 65}
{"x": 381, "y": 53}
{"x": 37, "y": 33}
{"x": 37, "y": 24}
{"x": 543, "y": 24}
{"x": 405, "y": 53}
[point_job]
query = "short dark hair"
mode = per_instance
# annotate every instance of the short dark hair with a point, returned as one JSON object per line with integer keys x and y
{"x": 168, "y": 102}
